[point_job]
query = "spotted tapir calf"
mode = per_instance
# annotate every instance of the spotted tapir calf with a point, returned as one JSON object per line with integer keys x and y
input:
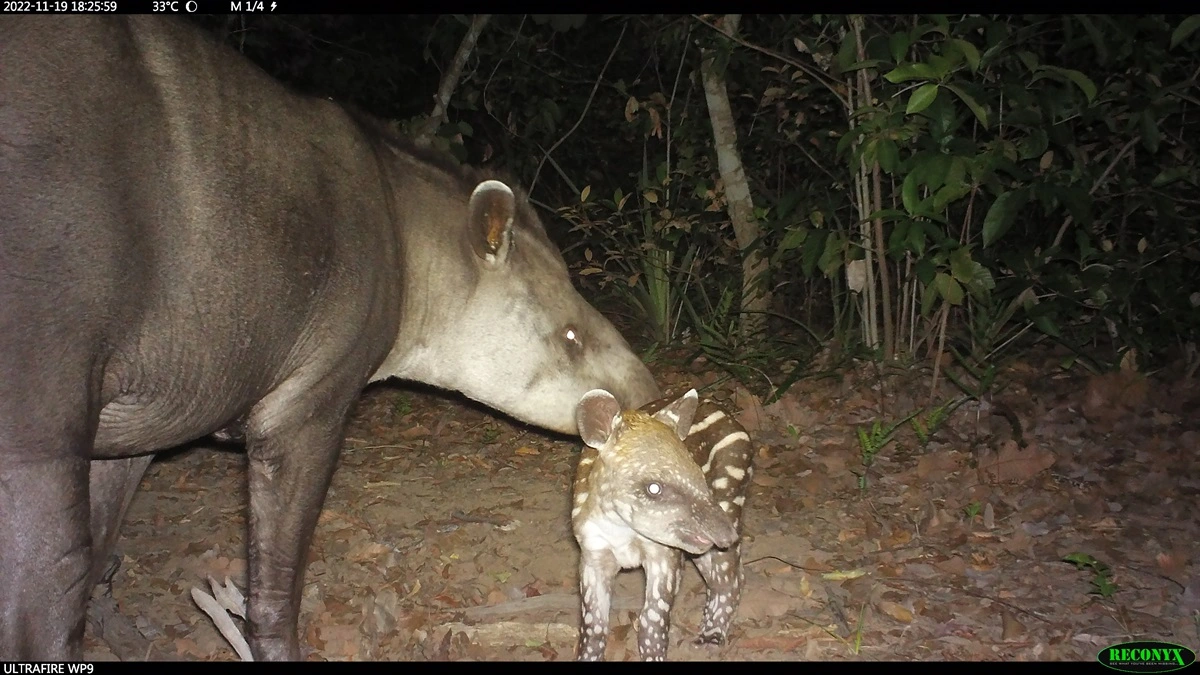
{"x": 185, "y": 245}
{"x": 651, "y": 485}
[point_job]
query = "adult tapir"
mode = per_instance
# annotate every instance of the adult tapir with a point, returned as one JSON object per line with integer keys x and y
{"x": 185, "y": 246}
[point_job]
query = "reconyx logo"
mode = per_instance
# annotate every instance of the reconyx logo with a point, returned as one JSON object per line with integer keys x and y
{"x": 1146, "y": 657}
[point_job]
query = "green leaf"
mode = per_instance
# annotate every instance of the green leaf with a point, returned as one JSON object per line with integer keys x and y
{"x": 926, "y": 271}
{"x": 948, "y": 193}
{"x": 910, "y": 71}
{"x": 1096, "y": 36}
{"x": 1033, "y": 145}
{"x": 898, "y": 45}
{"x": 847, "y": 52}
{"x": 1082, "y": 81}
{"x": 1168, "y": 176}
{"x": 1029, "y": 59}
{"x": 908, "y": 193}
{"x": 887, "y": 155}
{"x": 948, "y": 288}
{"x": 898, "y": 239}
{"x": 960, "y": 264}
{"x": 1045, "y": 324}
{"x": 921, "y": 99}
{"x": 980, "y": 111}
{"x": 1001, "y": 215}
{"x": 981, "y": 281}
{"x": 1184, "y": 29}
{"x": 793, "y": 238}
{"x": 888, "y": 215}
{"x": 811, "y": 253}
{"x": 851, "y": 136}
{"x": 969, "y": 52}
{"x": 859, "y": 65}
{"x": 928, "y": 297}
{"x": 831, "y": 257}
{"x": 930, "y": 168}
{"x": 1150, "y": 133}
{"x": 916, "y": 241}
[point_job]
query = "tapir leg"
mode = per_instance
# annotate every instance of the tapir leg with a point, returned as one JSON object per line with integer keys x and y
{"x": 44, "y": 555}
{"x": 111, "y": 484}
{"x": 290, "y": 470}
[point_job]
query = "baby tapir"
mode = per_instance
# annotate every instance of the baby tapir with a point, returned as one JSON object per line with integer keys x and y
{"x": 652, "y": 484}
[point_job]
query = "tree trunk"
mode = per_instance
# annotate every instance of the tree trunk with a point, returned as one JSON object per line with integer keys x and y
{"x": 756, "y": 296}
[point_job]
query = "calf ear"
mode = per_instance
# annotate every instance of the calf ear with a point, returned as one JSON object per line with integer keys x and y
{"x": 679, "y": 413}
{"x": 492, "y": 209}
{"x": 597, "y": 415}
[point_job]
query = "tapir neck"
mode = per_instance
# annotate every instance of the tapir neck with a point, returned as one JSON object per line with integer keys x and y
{"x": 433, "y": 292}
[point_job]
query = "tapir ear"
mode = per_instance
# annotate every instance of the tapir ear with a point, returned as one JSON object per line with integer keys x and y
{"x": 679, "y": 413}
{"x": 597, "y": 415}
{"x": 492, "y": 209}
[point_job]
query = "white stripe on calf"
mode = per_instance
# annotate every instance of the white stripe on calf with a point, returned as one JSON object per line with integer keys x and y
{"x": 706, "y": 422}
{"x": 722, "y": 444}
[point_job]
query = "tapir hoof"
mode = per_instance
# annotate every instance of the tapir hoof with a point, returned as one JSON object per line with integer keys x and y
{"x": 709, "y": 640}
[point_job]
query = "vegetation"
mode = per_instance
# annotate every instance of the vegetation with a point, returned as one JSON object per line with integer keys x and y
{"x": 900, "y": 186}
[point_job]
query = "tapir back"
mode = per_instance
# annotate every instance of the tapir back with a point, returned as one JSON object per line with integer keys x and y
{"x": 170, "y": 190}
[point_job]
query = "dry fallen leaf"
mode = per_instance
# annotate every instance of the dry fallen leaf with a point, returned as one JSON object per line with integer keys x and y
{"x": 751, "y": 414}
{"x": 1172, "y": 564}
{"x": 894, "y": 610}
{"x": 1013, "y": 464}
{"x": 1013, "y": 629}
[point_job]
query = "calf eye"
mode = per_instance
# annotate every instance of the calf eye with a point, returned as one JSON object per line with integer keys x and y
{"x": 654, "y": 489}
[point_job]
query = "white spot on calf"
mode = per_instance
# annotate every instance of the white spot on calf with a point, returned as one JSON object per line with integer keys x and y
{"x": 739, "y": 500}
{"x": 735, "y": 473}
{"x": 721, "y": 483}
{"x": 724, "y": 506}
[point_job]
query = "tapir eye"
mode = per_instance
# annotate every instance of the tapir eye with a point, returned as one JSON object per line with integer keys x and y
{"x": 653, "y": 489}
{"x": 573, "y": 337}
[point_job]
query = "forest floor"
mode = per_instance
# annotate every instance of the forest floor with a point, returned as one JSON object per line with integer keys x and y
{"x": 446, "y": 533}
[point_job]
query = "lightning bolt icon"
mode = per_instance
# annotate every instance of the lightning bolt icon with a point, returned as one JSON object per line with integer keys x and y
{"x": 273, "y": 6}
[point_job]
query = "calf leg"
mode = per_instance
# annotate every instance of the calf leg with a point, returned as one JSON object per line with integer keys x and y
{"x": 722, "y": 573}
{"x": 662, "y": 583}
{"x": 597, "y": 574}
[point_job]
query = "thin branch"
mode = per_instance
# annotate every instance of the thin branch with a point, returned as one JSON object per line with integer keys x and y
{"x": 1095, "y": 186}
{"x": 828, "y": 81}
{"x": 583, "y": 113}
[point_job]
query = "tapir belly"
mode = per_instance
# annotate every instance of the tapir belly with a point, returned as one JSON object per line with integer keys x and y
{"x": 166, "y": 412}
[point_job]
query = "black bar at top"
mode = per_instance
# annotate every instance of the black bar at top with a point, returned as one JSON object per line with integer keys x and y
{"x": 15, "y": 7}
